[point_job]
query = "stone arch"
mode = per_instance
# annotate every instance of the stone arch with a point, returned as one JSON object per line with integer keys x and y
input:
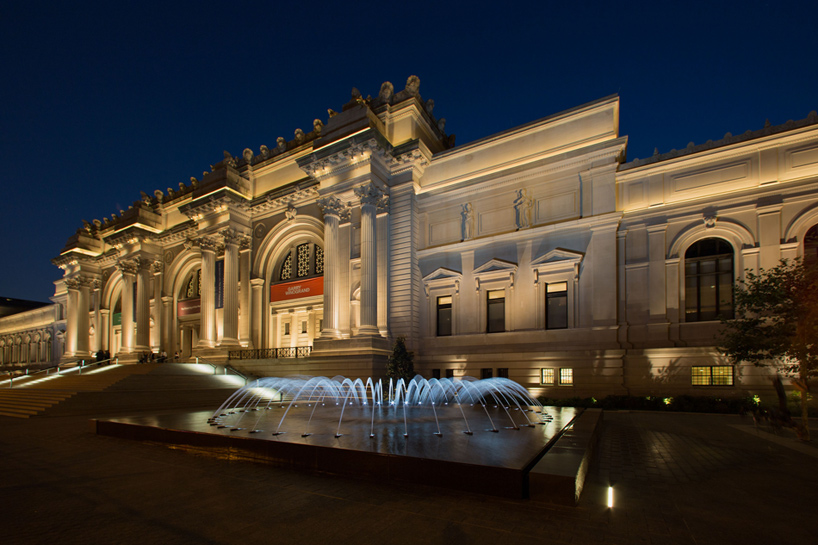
{"x": 800, "y": 224}
{"x": 280, "y": 238}
{"x": 736, "y": 234}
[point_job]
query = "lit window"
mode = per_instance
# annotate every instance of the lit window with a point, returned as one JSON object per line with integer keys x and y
{"x": 566, "y": 377}
{"x": 444, "y": 316}
{"x": 287, "y": 328}
{"x": 302, "y": 261}
{"x": 717, "y": 375}
{"x": 303, "y": 327}
{"x": 303, "y": 253}
{"x": 287, "y": 268}
{"x": 546, "y": 376}
{"x": 708, "y": 280}
{"x": 496, "y": 311}
{"x": 556, "y": 305}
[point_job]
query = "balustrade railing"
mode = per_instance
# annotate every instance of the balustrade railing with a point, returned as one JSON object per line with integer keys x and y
{"x": 270, "y": 353}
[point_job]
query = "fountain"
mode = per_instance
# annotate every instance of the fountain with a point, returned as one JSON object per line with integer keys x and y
{"x": 476, "y": 435}
{"x": 356, "y": 401}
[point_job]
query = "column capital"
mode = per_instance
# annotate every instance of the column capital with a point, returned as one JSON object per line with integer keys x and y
{"x": 157, "y": 267}
{"x": 126, "y": 266}
{"x": 257, "y": 283}
{"x": 370, "y": 193}
{"x": 208, "y": 244}
{"x": 333, "y": 206}
{"x": 233, "y": 237}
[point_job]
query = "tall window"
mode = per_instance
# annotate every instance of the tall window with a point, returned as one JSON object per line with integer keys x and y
{"x": 811, "y": 245}
{"x": 496, "y": 311}
{"x": 556, "y": 305}
{"x": 708, "y": 280}
{"x": 444, "y": 316}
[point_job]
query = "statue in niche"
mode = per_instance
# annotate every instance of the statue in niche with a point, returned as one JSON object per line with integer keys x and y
{"x": 467, "y": 221}
{"x": 522, "y": 209}
{"x": 386, "y": 91}
{"x": 413, "y": 85}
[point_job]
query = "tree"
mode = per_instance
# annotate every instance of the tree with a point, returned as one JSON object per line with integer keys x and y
{"x": 776, "y": 324}
{"x": 400, "y": 364}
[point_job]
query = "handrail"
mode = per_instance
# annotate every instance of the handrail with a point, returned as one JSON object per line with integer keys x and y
{"x": 235, "y": 371}
{"x": 211, "y": 364}
{"x": 61, "y": 367}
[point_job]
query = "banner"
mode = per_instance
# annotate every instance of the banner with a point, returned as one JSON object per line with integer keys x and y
{"x": 296, "y": 290}
{"x": 188, "y": 307}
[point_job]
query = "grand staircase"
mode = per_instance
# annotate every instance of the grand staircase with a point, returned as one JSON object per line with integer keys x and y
{"x": 118, "y": 389}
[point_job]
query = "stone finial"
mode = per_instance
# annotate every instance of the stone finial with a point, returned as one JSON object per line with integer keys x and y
{"x": 441, "y": 124}
{"x": 356, "y": 94}
{"x": 281, "y": 144}
{"x": 317, "y": 125}
{"x": 248, "y": 155}
{"x": 265, "y": 151}
{"x": 430, "y": 105}
{"x": 171, "y": 193}
{"x": 387, "y": 89}
{"x": 159, "y": 195}
{"x": 97, "y": 225}
{"x": 413, "y": 85}
{"x": 145, "y": 197}
{"x": 331, "y": 112}
{"x": 299, "y": 136}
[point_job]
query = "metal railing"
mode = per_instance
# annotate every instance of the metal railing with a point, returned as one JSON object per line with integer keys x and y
{"x": 270, "y": 353}
{"x": 58, "y": 368}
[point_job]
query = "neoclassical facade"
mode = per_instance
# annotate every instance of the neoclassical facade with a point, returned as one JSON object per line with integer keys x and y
{"x": 537, "y": 253}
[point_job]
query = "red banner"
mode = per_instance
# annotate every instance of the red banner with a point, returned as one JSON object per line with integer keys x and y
{"x": 296, "y": 290}
{"x": 188, "y": 307}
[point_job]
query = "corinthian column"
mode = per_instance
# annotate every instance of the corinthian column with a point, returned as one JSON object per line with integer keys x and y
{"x": 207, "y": 334}
{"x": 72, "y": 315}
{"x": 143, "y": 305}
{"x": 244, "y": 292}
{"x": 370, "y": 197}
{"x": 158, "y": 314}
{"x": 230, "y": 331}
{"x": 128, "y": 270}
{"x": 333, "y": 210}
{"x": 83, "y": 322}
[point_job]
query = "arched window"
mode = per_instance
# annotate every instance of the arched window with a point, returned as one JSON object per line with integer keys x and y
{"x": 302, "y": 261}
{"x": 811, "y": 245}
{"x": 193, "y": 286}
{"x": 708, "y": 280}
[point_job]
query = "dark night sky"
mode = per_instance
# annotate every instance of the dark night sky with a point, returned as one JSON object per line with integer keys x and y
{"x": 103, "y": 100}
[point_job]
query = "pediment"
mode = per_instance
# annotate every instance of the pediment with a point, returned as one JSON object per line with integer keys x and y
{"x": 442, "y": 273}
{"x": 496, "y": 266}
{"x": 558, "y": 256}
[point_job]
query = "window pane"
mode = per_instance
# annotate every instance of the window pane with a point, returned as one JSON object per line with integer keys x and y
{"x": 722, "y": 375}
{"x": 444, "y": 321}
{"x": 436, "y": 373}
{"x": 566, "y": 377}
{"x": 496, "y": 311}
{"x": 449, "y": 373}
{"x": 700, "y": 376}
{"x": 486, "y": 372}
{"x": 556, "y": 306}
{"x": 502, "y": 372}
{"x": 707, "y": 297}
{"x": 547, "y": 376}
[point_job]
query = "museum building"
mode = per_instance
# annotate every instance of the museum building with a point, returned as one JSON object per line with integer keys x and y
{"x": 537, "y": 254}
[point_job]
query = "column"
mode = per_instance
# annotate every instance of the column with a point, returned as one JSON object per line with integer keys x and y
{"x": 333, "y": 210}
{"x": 207, "y": 333}
{"x": 244, "y": 292}
{"x": 73, "y": 286}
{"x": 166, "y": 337}
{"x": 83, "y": 321}
{"x": 97, "y": 322}
{"x": 370, "y": 197}
{"x": 158, "y": 315}
{"x": 230, "y": 331}
{"x": 257, "y": 284}
{"x": 104, "y": 328}
{"x": 128, "y": 270}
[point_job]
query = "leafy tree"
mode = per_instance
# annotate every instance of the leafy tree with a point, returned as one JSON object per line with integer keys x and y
{"x": 776, "y": 323}
{"x": 401, "y": 362}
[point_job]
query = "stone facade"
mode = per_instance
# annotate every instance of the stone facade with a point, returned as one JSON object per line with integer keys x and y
{"x": 537, "y": 253}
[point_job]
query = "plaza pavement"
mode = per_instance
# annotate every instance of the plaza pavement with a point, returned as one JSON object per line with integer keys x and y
{"x": 677, "y": 478}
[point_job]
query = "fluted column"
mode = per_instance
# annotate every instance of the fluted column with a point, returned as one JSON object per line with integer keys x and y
{"x": 83, "y": 321}
{"x": 72, "y": 314}
{"x": 167, "y": 336}
{"x": 207, "y": 333}
{"x": 244, "y": 292}
{"x": 258, "y": 307}
{"x": 128, "y": 270}
{"x": 158, "y": 315}
{"x": 143, "y": 305}
{"x": 370, "y": 197}
{"x": 97, "y": 322}
{"x": 333, "y": 210}
{"x": 230, "y": 331}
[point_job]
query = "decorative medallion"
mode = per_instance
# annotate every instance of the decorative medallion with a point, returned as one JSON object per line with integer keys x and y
{"x": 168, "y": 256}
{"x": 259, "y": 231}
